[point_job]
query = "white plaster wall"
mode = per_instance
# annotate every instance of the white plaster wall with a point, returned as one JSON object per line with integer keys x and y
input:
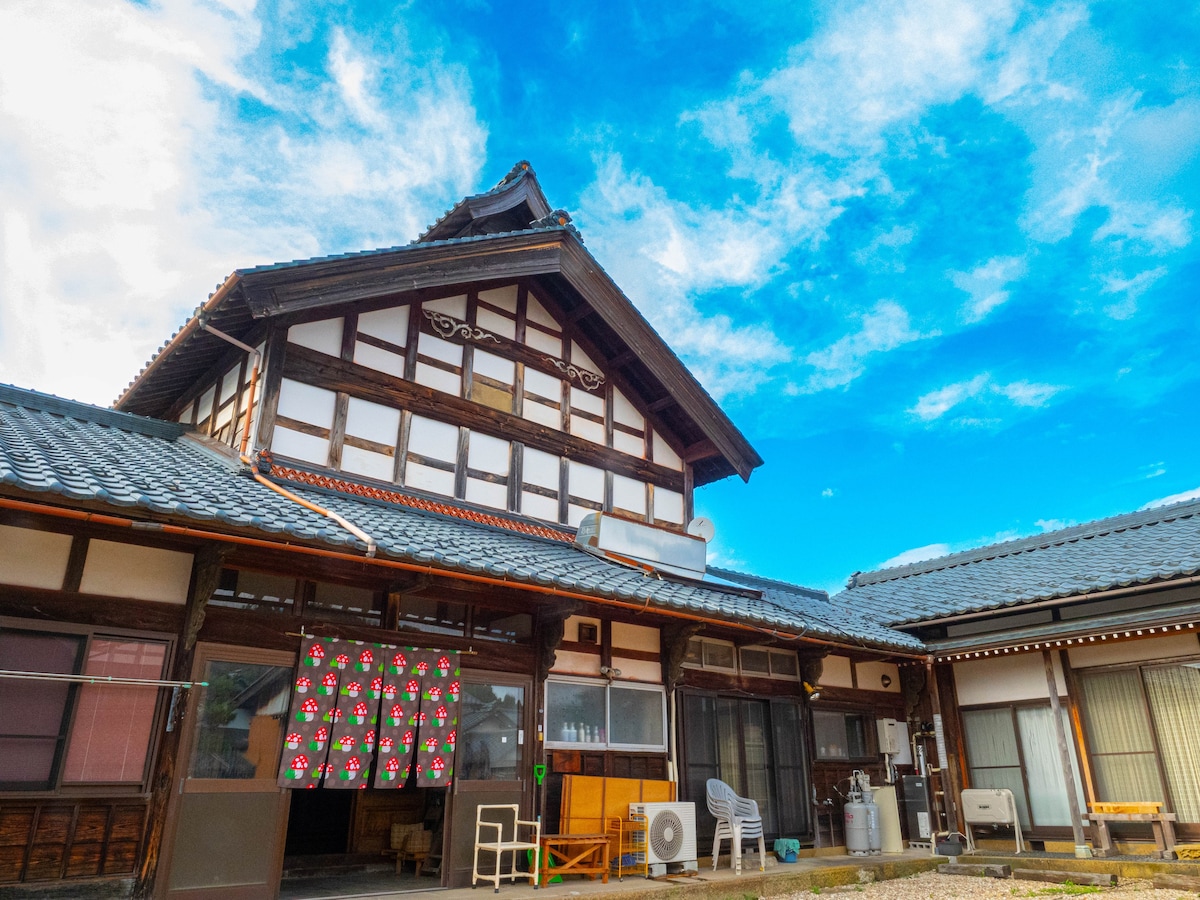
{"x": 390, "y": 325}
{"x": 206, "y": 402}
{"x": 664, "y": 455}
{"x": 625, "y": 412}
{"x": 1105, "y": 653}
{"x": 229, "y": 383}
{"x": 836, "y": 672}
{"x": 433, "y": 439}
{"x": 571, "y": 627}
{"x": 535, "y": 312}
{"x": 499, "y": 325}
{"x": 540, "y": 468}
{"x": 306, "y": 403}
{"x": 587, "y": 401}
{"x": 586, "y": 482}
{"x": 635, "y": 637}
{"x": 503, "y": 297}
{"x": 638, "y": 670}
{"x": 568, "y": 662}
{"x": 379, "y": 360}
{"x": 1015, "y": 676}
{"x": 452, "y": 306}
{"x": 486, "y": 493}
{"x": 426, "y": 478}
{"x": 324, "y": 336}
{"x": 494, "y": 367}
{"x": 546, "y": 343}
{"x": 631, "y": 444}
{"x": 32, "y": 558}
{"x": 436, "y": 348}
{"x": 298, "y": 445}
{"x": 587, "y": 429}
{"x": 541, "y": 414}
{"x": 576, "y": 514}
{"x": 488, "y": 454}
{"x": 668, "y": 506}
{"x": 539, "y": 507}
{"x": 543, "y": 385}
{"x": 368, "y": 463}
{"x": 581, "y": 359}
{"x": 141, "y": 573}
{"x": 372, "y": 421}
{"x": 870, "y": 676}
{"x": 629, "y": 494}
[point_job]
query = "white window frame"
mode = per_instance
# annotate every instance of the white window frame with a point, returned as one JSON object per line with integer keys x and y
{"x": 608, "y": 686}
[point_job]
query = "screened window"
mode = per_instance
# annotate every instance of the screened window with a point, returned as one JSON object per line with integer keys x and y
{"x": 840, "y": 735}
{"x": 62, "y": 731}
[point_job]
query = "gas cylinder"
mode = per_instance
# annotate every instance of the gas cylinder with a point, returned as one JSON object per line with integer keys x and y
{"x": 858, "y": 840}
{"x": 874, "y": 833}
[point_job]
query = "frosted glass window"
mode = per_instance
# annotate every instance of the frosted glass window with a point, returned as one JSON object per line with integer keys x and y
{"x": 636, "y": 717}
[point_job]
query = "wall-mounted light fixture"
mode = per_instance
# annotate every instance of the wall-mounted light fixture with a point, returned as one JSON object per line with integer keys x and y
{"x": 812, "y": 690}
{"x": 609, "y": 672}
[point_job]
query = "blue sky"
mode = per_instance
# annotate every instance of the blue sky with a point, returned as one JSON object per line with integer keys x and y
{"x": 937, "y": 259}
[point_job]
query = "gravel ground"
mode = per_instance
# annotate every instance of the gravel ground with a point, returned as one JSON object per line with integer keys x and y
{"x": 932, "y": 886}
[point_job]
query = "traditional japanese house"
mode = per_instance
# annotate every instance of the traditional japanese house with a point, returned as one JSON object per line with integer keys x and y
{"x": 370, "y": 538}
{"x": 1067, "y": 667}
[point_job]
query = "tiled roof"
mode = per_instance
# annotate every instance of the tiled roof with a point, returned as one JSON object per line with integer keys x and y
{"x": 1133, "y": 549}
{"x": 75, "y": 452}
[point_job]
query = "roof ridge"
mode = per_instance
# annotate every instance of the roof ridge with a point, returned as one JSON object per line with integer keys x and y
{"x": 26, "y": 398}
{"x": 734, "y": 575}
{"x": 1095, "y": 528}
{"x": 515, "y": 174}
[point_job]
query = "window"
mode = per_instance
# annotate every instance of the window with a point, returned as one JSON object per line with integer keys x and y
{"x": 257, "y": 591}
{"x": 840, "y": 735}
{"x": 1126, "y": 712}
{"x": 239, "y": 726}
{"x": 618, "y": 716}
{"x": 758, "y": 662}
{"x": 702, "y": 653}
{"x": 492, "y": 741}
{"x": 60, "y": 731}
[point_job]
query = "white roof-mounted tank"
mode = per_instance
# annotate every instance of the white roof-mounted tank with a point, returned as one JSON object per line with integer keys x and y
{"x": 664, "y": 549}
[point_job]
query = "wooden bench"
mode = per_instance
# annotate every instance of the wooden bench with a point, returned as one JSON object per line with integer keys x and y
{"x": 1161, "y": 824}
{"x": 574, "y": 854}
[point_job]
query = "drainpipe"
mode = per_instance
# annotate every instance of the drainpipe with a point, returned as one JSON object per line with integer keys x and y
{"x": 255, "y": 358}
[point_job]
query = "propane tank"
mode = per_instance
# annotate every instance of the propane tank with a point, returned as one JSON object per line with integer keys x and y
{"x": 858, "y": 838}
{"x": 874, "y": 833}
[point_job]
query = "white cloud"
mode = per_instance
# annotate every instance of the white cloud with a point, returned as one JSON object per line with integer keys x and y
{"x": 1193, "y": 494}
{"x": 985, "y": 284}
{"x": 828, "y": 492}
{"x": 917, "y": 554}
{"x": 1053, "y": 524}
{"x": 884, "y": 328}
{"x": 986, "y": 390}
{"x": 1130, "y": 289}
{"x": 130, "y": 185}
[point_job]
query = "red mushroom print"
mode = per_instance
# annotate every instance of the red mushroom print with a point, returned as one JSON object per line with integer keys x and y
{"x": 430, "y": 744}
{"x": 418, "y": 719}
{"x": 365, "y": 660}
{"x": 320, "y": 738}
{"x": 407, "y": 740}
{"x": 376, "y": 688}
{"x": 434, "y": 694}
{"x": 390, "y": 769}
{"x": 353, "y": 766}
{"x": 389, "y": 692}
{"x": 316, "y": 655}
{"x": 386, "y": 745}
{"x": 358, "y": 715}
{"x": 333, "y": 716}
{"x": 420, "y": 668}
{"x": 342, "y": 661}
{"x": 443, "y": 666}
{"x": 368, "y": 742}
{"x": 451, "y": 739}
{"x": 418, "y": 770}
{"x": 298, "y": 767}
{"x": 399, "y": 662}
{"x": 353, "y": 689}
{"x": 303, "y": 683}
{"x": 345, "y": 743}
{"x": 439, "y": 716}
{"x": 308, "y": 710}
{"x": 453, "y": 690}
{"x": 323, "y": 769}
{"x": 437, "y": 767}
{"x": 395, "y": 715}
{"x": 328, "y": 684}
{"x": 293, "y": 740}
{"x": 412, "y": 689}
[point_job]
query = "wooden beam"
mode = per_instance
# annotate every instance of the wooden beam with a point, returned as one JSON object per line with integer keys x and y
{"x": 320, "y": 370}
{"x": 275, "y": 353}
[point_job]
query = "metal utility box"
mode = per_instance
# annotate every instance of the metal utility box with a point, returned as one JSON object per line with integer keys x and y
{"x": 915, "y": 792}
{"x": 889, "y": 736}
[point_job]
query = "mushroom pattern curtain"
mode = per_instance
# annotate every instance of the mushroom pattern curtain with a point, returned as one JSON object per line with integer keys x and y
{"x": 367, "y": 714}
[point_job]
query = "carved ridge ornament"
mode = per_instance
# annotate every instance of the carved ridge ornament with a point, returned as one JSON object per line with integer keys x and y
{"x": 448, "y": 326}
{"x": 587, "y": 380}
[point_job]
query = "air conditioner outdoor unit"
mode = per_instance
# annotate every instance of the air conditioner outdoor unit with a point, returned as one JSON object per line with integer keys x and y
{"x": 670, "y": 835}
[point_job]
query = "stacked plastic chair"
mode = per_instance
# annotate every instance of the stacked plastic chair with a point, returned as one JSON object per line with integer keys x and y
{"x": 737, "y": 819}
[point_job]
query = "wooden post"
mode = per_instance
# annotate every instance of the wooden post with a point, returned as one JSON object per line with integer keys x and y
{"x": 206, "y": 574}
{"x": 1081, "y": 848}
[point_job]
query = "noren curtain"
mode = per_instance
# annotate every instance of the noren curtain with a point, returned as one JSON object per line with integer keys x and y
{"x": 365, "y": 714}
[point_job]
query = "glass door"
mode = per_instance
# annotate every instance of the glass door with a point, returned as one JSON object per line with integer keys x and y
{"x": 493, "y": 763}
{"x": 228, "y": 817}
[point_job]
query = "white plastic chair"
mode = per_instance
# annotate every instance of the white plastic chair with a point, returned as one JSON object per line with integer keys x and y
{"x": 737, "y": 819}
{"x": 499, "y": 844}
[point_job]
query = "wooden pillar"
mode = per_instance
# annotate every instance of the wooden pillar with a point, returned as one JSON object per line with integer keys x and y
{"x": 1064, "y": 754}
{"x": 206, "y": 574}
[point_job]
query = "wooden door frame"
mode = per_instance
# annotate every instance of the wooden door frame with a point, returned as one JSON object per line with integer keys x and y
{"x": 206, "y": 652}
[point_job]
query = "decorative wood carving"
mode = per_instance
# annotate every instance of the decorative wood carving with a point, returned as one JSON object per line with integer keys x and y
{"x": 589, "y": 381}
{"x": 448, "y": 327}
{"x": 675, "y": 637}
{"x": 552, "y": 622}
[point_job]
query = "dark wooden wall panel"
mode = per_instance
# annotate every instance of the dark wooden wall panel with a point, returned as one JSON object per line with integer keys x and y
{"x": 57, "y": 839}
